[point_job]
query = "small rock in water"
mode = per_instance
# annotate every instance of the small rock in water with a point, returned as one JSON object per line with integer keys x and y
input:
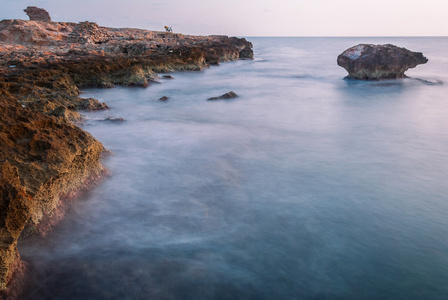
{"x": 228, "y": 95}
{"x": 167, "y": 77}
{"x": 114, "y": 119}
{"x": 430, "y": 81}
{"x": 164, "y": 98}
{"x": 91, "y": 104}
{"x": 106, "y": 85}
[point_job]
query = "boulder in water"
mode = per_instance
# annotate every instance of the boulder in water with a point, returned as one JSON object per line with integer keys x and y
{"x": 367, "y": 61}
{"x": 114, "y": 119}
{"x": 228, "y": 95}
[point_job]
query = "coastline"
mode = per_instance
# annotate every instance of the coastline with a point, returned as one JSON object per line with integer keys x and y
{"x": 45, "y": 159}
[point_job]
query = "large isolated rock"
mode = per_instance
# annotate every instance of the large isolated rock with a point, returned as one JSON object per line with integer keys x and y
{"x": 367, "y": 61}
{"x": 37, "y": 14}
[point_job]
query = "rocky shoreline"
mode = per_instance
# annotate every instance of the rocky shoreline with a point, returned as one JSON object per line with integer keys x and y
{"x": 45, "y": 159}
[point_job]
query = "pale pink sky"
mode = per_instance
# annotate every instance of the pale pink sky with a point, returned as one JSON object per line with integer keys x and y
{"x": 253, "y": 17}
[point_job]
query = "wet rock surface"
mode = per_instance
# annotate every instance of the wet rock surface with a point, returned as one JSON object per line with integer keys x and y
{"x": 366, "y": 61}
{"x": 228, "y": 95}
{"x": 45, "y": 160}
{"x": 114, "y": 119}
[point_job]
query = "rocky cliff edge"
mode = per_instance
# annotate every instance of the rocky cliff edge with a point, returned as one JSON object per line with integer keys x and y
{"x": 45, "y": 160}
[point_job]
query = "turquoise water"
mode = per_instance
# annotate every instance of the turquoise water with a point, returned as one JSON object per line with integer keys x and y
{"x": 307, "y": 186}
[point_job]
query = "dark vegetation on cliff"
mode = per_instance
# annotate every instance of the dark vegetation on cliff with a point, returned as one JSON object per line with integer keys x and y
{"x": 45, "y": 159}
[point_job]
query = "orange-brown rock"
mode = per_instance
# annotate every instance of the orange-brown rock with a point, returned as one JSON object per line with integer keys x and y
{"x": 88, "y": 33}
{"x": 45, "y": 160}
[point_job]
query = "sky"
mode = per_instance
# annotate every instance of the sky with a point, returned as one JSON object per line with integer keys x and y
{"x": 252, "y": 17}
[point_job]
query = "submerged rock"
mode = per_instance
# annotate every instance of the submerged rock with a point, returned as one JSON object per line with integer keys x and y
{"x": 367, "y": 61}
{"x": 164, "y": 98}
{"x": 37, "y": 14}
{"x": 114, "y": 119}
{"x": 167, "y": 77}
{"x": 228, "y": 95}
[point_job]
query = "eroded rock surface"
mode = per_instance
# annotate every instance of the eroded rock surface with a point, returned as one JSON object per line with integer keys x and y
{"x": 45, "y": 160}
{"x": 366, "y": 61}
{"x": 37, "y": 14}
{"x": 88, "y": 33}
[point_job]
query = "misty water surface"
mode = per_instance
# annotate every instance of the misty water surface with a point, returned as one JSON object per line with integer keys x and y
{"x": 307, "y": 186}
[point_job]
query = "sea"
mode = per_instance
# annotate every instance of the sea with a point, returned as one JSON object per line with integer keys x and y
{"x": 307, "y": 186}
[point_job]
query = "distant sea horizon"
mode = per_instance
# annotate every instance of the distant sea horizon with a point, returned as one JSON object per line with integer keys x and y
{"x": 348, "y": 37}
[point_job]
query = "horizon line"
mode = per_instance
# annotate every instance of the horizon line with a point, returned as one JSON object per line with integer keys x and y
{"x": 347, "y": 36}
